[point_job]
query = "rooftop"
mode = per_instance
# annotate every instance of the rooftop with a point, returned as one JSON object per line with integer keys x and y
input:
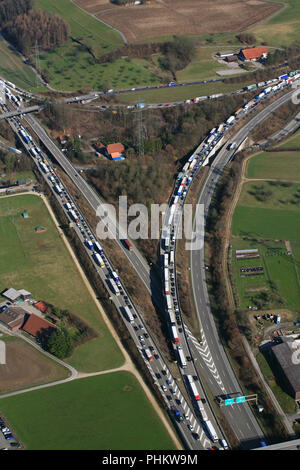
{"x": 35, "y": 325}
{"x": 254, "y": 52}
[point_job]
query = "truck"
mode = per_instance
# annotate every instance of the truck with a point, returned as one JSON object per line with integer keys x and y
{"x": 169, "y": 303}
{"x": 171, "y": 257}
{"x": 239, "y": 111}
{"x": 127, "y": 244}
{"x": 182, "y": 358}
{"x": 193, "y": 387}
{"x": 267, "y": 90}
{"x": 57, "y": 189}
{"x": 116, "y": 278}
{"x": 98, "y": 260}
{"x": 175, "y": 337}
{"x": 114, "y": 287}
{"x": 43, "y": 167}
{"x": 89, "y": 244}
{"x": 166, "y": 274}
{"x": 128, "y": 314}
{"x": 283, "y": 77}
{"x": 230, "y": 120}
{"x": 210, "y": 139}
{"x": 148, "y": 355}
{"x": 172, "y": 317}
{"x": 98, "y": 248}
{"x": 211, "y": 431}
{"x": 167, "y": 288}
{"x": 73, "y": 215}
{"x": 166, "y": 260}
{"x": 250, "y": 87}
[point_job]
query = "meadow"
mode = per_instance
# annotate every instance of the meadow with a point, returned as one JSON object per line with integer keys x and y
{"x": 267, "y": 218}
{"x": 107, "y": 411}
{"x": 41, "y": 264}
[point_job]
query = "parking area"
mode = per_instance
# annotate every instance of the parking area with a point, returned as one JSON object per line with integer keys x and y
{"x": 7, "y": 438}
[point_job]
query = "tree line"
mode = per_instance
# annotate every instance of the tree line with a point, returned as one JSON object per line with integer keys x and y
{"x": 10, "y": 9}
{"x": 49, "y": 30}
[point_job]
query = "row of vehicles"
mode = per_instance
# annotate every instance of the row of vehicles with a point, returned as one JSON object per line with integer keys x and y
{"x": 181, "y": 187}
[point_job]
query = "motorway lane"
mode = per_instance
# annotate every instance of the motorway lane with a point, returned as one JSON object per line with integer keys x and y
{"x": 241, "y": 417}
{"x": 134, "y": 257}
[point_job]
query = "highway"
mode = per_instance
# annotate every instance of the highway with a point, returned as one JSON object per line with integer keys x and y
{"x": 239, "y": 416}
{"x": 245, "y": 426}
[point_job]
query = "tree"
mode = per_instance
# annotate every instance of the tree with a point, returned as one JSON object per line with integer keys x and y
{"x": 60, "y": 343}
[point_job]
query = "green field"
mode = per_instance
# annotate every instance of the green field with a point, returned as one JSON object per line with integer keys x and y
{"x": 71, "y": 67}
{"x": 41, "y": 264}
{"x": 108, "y": 411}
{"x": 268, "y": 213}
{"x": 13, "y": 69}
{"x": 283, "y": 29}
{"x": 172, "y": 94}
{"x": 270, "y": 165}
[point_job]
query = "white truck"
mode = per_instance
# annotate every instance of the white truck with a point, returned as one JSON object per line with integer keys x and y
{"x": 211, "y": 431}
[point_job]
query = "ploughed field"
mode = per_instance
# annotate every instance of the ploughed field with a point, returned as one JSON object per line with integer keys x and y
{"x": 168, "y": 17}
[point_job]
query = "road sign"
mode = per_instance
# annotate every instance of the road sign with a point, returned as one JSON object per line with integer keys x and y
{"x": 240, "y": 399}
{"x": 229, "y": 401}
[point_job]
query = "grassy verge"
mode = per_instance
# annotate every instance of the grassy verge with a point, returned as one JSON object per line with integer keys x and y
{"x": 41, "y": 264}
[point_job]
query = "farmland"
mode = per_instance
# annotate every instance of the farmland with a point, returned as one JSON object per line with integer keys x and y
{"x": 267, "y": 218}
{"x": 283, "y": 29}
{"x": 41, "y": 264}
{"x": 82, "y": 415}
{"x": 26, "y": 367}
{"x": 169, "y": 17}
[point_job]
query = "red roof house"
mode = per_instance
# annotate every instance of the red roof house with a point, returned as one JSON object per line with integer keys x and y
{"x": 254, "y": 53}
{"x": 35, "y": 325}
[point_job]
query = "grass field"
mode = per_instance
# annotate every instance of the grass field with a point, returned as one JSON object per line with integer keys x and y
{"x": 13, "y": 69}
{"x": 82, "y": 415}
{"x": 283, "y": 29}
{"x": 71, "y": 67}
{"x": 172, "y": 94}
{"x": 268, "y": 213}
{"x": 269, "y": 165}
{"x": 41, "y": 264}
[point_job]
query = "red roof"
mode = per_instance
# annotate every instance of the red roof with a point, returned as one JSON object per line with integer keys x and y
{"x": 41, "y": 306}
{"x": 115, "y": 148}
{"x": 254, "y": 52}
{"x": 35, "y": 325}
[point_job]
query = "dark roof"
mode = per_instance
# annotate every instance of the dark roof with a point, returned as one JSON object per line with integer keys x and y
{"x": 35, "y": 325}
{"x": 286, "y": 355}
{"x": 12, "y": 316}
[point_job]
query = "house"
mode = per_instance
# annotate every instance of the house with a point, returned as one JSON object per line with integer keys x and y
{"x": 12, "y": 317}
{"x": 41, "y": 306}
{"x": 36, "y": 326}
{"x": 254, "y": 53}
{"x": 115, "y": 151}
{"x": 15, "y": 295}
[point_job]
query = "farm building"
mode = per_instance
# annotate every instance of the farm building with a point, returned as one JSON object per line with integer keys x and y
{"x": 14, "y": 295}
{"x": 254, "y": 53}
{"x": 288, "y": 363}
{"x": 225, "y": 54}
{"x": 12, "y": 318}
{"x": 36, "y": 326}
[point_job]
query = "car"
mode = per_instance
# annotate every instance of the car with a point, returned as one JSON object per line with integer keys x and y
{"x": 196, "y": 436}
{"x": 146, "y": 335}
{"x": 8, "y": 437}
{"x": 191, "y": 427}
{"x": 141, "y": 327}
{"x": 186, "y": 416}
{"x": 158, "y": 376}
{"x": 164, "y": 388}
{"x": 172, "y": 391}
{"x": 5, "y": 429}
{"x": 169, "y": 382}
{"x": 164, "y": 372}
{"x": 141, "y": 338}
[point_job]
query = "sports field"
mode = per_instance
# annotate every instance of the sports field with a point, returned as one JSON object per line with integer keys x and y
{"x": 107, "y": 411}
{"x": 41, "y": 264}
